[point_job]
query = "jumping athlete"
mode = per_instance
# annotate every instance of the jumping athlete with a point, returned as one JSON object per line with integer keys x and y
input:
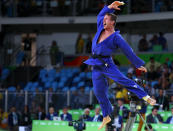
{"x": 104, "y": 44}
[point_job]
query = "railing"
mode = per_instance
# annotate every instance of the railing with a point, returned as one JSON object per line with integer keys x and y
{"x": 15, "y": 8}
{"x": 45, "y": 99}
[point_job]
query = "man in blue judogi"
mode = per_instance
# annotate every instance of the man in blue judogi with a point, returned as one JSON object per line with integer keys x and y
{"x": 105, "y": 42}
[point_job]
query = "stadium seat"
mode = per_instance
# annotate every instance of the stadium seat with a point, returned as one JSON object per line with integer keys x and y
{"x": 65, "y": 89}
{"x": 12, "y": 88}
{"x": 81, "y": 84}
{"x": 73, "y": 89}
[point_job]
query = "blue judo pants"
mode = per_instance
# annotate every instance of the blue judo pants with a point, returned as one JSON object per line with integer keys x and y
{"x": 100, "y": 85}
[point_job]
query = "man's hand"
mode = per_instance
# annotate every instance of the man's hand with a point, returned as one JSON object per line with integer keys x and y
{"x": 115, "y": 5}
{"x": 142, "y": 69}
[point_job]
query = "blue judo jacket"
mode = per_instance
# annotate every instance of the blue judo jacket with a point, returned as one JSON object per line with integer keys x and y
{"x": 111, "y": 44}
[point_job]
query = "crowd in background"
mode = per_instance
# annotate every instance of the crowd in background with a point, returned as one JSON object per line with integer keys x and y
{"x": 156, "y": 43}
{"x": 158, "y": 80}
{"x": 25, "y": 8}
{"x": 83, "y": 45}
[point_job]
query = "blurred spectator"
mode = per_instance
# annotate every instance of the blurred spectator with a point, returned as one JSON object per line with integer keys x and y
{"x": 171, "y": 66}
{"x": 26, "y": 117}
{"x": 40, "y": 115}
{"x": 3, "y": 119}
{"x": 154, "y": 117}
{"x": 86, "y": 116}
{"x": 18, "y": 98}
{"x": 97, "y": 117}
{"x": 117, "y": 119}
{"x": 143, "y": 44}
{"x": 27, "y": 43}
{"x": 171, "y": 80}
{"x": 54, "y": 7}
{"x": 168, "y": 62}
{"x": 82, "y": 98}
{"x": 88, "y": 44}
{"x": 142, "y": 6}
{"x": 162, "y": 41}
{"x": 52, "y": 97}
{"x": 79, "y": 44}
{"x": 171, "y": 101}
{"x": 155, "y": 45}
{"x": 66, "y": 116}
{"x": 20, "y": 58}
{"x": 163, "y": 82}
{"x": 152, "y": 63}
{"x": 163, "y": 100}
{"x": 13, "y": 120}
{"x": 38, "y": 97}
{"x": 124, "y": 112}
{"x": 152, "y": 74}
{"x": 119, "y": 94}
{"x": 170, "y": 119}
{"x": 52, "y": 114}
{"x": 54, "y": 50}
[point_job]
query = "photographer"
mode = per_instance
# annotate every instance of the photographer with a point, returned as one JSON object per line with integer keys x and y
{"x": 117, "y": 121}
{"x": 123, "y": 109}
{"x": 86, "y": 116}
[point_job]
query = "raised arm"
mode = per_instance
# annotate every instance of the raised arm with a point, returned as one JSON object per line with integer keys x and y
{"x": 108, "y": 9}
{"x": 127, "y": 50}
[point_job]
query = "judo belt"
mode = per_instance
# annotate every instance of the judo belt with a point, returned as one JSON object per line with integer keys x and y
{"x": 100, "y": 58}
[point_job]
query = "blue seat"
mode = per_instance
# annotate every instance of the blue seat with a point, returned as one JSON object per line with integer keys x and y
{"x": 82, "y": 74}
{"x": 40, "y": 89}
{"x": 87, "y": 89}
{"x": 73, "y": 88}
{"x": 76, "y": 79}
{"x": 81, "y": 84}
{"x": 29, "y": 85}
{"x": 32, "y": 89}
{"x": 5, "y": 73}
{"x": 89, "y": 75}
{"x": 153, "y": 83}
{"x": 55, "y": 85}
{"x": 65, "y": 89}
{"x": 35, "y": 84}
{"x": 61, "y": 85}
{"x": 47, "y": 85}
{"x": 11, "y": 88}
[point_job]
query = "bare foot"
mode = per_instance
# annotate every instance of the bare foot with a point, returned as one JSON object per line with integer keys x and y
{"x": 151, "y": 101}
{"x": 106, "y": 120}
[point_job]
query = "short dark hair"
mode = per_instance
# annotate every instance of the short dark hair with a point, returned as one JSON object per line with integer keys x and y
{"x": 154, "y": 108}
{"x": 113, "y": 17}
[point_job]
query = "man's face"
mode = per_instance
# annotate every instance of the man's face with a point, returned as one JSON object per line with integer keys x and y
{"x": 51, "y": 110}
{"x": 97, "y": 111}
{"x": 154, "y": 112}
{"x": 107, "y": 22}
{"x": 161, "y": 92}
{"x": 120, "y": 102}
{"x": 87, "y": 112}
{"x": 65, "y": 110}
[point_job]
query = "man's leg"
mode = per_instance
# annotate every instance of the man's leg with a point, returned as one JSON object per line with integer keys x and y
{"x": 100, "y": 87}
{"x": 113, "y": 73}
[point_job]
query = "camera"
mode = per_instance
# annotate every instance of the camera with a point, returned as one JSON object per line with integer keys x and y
{"x": 79, "y": 125}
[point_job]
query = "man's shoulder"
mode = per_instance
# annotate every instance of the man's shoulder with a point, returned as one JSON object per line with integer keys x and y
{"x": 150, "y": 115}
